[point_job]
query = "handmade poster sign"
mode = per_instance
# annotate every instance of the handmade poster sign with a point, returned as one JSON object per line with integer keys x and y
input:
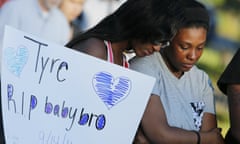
{"x": 54, "y": 95}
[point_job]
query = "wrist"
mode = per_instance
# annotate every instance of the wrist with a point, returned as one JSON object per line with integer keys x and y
{"x": 198, "y": 137}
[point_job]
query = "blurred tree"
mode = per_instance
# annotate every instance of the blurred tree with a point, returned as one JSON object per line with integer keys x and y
{"x": 215, "y": 3}
{"x": 232, "y": 5}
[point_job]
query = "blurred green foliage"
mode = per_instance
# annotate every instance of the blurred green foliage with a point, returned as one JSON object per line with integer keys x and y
{"x": 211, "y": 63}
{"x": 223, "y": 4}
{"x": 227, "y": 16}
{"x": 228, "y": 24}
{"x": 216, "y": 3}
{"x": 232, "y": 5}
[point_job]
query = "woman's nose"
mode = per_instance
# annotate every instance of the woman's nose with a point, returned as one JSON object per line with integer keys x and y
{"x": 192, "y": 55}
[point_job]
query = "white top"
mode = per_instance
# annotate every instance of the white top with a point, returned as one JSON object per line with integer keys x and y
{"x": 185, "y": 99}
{"x": 26, "y": 15}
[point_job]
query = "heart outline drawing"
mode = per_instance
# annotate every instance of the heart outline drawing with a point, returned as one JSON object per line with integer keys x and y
{"x": 111, "y": 91}
{"x": 16, "y": 59}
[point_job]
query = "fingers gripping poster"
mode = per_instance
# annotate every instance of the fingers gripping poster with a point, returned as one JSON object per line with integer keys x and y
{"x": 55, "y": 95}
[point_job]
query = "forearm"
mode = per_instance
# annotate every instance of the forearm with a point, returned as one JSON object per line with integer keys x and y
{"x": 156, "y": 128}
{"x": 234, "y": 109}
{"x": 234, "y": 120}
{"x": 163, "y": 133}
{"x": 173, "y": 135}
{"x": 209, "y": 133}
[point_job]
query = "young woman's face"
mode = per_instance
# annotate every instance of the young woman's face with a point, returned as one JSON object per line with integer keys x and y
{"x": 186, "y": 48}
{"x": 144, "y": 49}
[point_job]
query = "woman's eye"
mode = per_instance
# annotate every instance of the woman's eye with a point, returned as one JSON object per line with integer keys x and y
{"x": 183, "y": 47}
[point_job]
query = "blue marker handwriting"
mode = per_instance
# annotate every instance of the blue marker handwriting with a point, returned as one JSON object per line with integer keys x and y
{"x": 53, "y": 64}
{"x": 51, "y": 138}
{"x": 111, "y": 91}
{"x": 62, "y": 111}
{"x": 16, "y": 59}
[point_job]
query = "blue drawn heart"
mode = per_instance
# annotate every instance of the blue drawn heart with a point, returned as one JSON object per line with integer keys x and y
{"x": 110, "y": 90}
{"x": 16, "y": 59}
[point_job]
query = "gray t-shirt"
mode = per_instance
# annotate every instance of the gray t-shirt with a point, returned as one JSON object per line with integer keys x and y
{"x": 185, "y": 100}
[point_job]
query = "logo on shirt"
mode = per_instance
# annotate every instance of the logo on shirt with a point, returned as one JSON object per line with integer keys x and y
{"x": 197, "y": 109}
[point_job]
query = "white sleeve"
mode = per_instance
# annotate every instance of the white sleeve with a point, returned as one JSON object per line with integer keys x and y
{"x": 208, "y": 95}
{"x": 147, "y": 65}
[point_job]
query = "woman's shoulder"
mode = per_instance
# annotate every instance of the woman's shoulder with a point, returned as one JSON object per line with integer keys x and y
{"x": 145, "y": 59}
{"x": 146, "y": 63}
{"x": 92, "y": 46}
{"x": 93, "y": 42}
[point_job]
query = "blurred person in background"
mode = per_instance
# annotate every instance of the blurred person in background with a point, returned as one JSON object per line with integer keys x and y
{"x": 73, "y": 10}
{"x": 82, "y": 21}
{"x": 38, "y": 17}
{"x": 229, "y": 84}
{"x": 2, "y": 2}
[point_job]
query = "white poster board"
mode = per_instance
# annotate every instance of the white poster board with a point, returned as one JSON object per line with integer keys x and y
{"x": 55, "y": 95}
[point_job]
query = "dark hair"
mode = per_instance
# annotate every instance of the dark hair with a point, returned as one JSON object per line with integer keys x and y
{"x": 195, "y": 15}
{"x": 144, "y": 20}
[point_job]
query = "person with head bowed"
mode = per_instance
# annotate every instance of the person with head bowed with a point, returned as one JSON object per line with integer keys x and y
{"x": 139, "y": 26}
{"x": 38, "y": 17}
{"x": 181, "y": 108}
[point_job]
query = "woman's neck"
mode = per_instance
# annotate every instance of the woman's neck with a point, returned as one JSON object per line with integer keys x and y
{"x": 170, "y": 66}
{"x": 118, "y": 49}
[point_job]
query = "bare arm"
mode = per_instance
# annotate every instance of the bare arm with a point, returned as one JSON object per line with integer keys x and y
{"x": 158, "y": 131}
{"x": 233, "y": 92}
